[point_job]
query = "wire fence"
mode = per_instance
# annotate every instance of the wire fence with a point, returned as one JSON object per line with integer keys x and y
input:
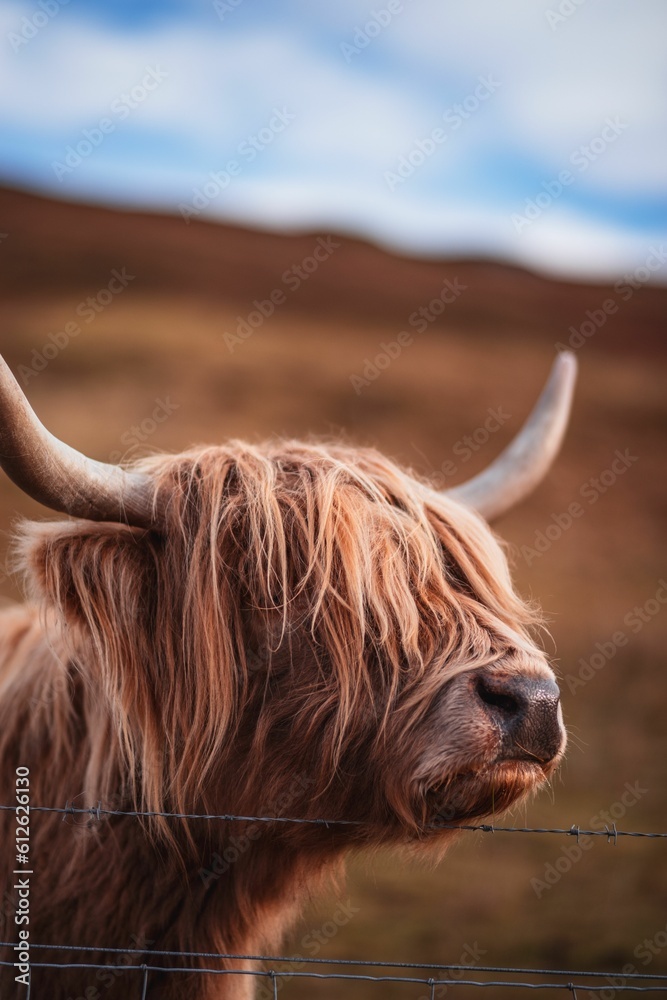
{"x": 98, "y": 812}
{"x": 565, "y": 980}
{"x": 622, "y": 982}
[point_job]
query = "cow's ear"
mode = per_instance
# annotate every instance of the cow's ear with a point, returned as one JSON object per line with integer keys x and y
{"x": 93, "y": 575}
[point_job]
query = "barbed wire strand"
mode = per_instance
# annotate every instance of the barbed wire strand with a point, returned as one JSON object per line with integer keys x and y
{"x": 238, "y": 956}
{"x": 97, "y": 812}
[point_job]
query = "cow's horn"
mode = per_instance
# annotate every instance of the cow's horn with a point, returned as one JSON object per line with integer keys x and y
{"x": 61, "y": 478}
{"x": 524, "y": 463}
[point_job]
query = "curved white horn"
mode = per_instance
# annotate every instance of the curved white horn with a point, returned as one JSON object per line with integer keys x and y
{"x": 524, "y": 463}
{"x": 60, "y": 477}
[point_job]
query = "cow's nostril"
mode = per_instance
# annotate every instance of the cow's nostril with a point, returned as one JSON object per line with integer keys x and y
{"x": 525, "y": 713}
{"x": 497, "y": 699}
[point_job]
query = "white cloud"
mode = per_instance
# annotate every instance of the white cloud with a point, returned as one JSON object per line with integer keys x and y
{"x": 352, "y": 122}
{"x": 559, "y": 85}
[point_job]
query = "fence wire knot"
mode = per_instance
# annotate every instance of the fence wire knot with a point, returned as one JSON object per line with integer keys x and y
{"x": 574, "y": 831}
{"x": 612, "y": 834}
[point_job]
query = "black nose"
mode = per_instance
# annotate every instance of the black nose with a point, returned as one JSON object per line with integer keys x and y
{"x": 526, "y": 710}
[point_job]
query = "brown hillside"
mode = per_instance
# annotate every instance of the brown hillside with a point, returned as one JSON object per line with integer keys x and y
{"x": 55, "y": 247}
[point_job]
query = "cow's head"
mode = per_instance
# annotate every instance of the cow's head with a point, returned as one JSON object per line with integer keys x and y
{"x": 301, "y": 627}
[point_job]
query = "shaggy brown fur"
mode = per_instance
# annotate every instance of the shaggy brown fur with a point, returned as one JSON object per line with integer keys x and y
{"x": 300, "y": 639}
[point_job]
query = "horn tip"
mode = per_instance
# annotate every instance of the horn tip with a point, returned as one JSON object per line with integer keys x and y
{"x": 566, "y": 363}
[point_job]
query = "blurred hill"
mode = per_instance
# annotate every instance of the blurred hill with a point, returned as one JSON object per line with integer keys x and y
{"x": 133, "y": 331}
{"x": 55, "y": 247}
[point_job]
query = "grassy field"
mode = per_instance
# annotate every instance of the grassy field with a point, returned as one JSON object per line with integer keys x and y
{"x": 153, "y": 369}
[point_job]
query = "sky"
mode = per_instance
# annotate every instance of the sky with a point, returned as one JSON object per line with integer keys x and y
{"x": 530, "y": 130}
